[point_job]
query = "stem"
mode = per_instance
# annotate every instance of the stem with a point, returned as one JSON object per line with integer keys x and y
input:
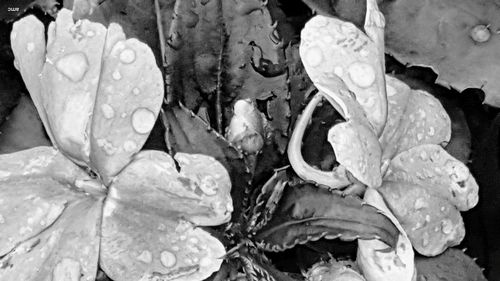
{"x": 333, "y": 180}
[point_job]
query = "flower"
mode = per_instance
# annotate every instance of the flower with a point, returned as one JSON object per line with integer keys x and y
{"x": 93, "y": 197}
{"x": 392, "y": 138}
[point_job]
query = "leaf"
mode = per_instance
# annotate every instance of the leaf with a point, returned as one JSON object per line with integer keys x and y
{"x": 50, "y": 226}
{"x": 153, "y": 210}
{"x": 223, "y": 51}
{"x": 258, "y": 268}
{"x": 438, "y": 35}
{"x": 306, "y": 213}
{"x": 414, "y": 118}
{"x": 267, "y": 200}
{"x": 187, "y": 133}
{"x": 451, "y": 265}
{"x": 23, "y": 128}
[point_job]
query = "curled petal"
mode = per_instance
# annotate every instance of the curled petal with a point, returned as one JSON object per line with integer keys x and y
{"x": 376, "y": 260}
{"x": 433, "y": 168}
{"x": 333, "y": 180}
{"x": 357, "y": 149}
{"x": 152, "y": 210}
{"x": 432, "y": 223}
{"x": 246, "y": 129}
{"x": 333, "y": 51}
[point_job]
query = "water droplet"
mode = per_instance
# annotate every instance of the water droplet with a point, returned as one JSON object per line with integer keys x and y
{"x": 362, "y": 74}
{"x": 136, "y": 91}
{"x": 67, "y": 270}
{"x": 143, "y": 120}
{"x": 420, "y": 136}
{"x": 73, "y": 66}
{"x": 446, "y": 226}
{"x": 480, "y": 33}
{"x": 175, "y": 248}
{"x": 129, "y": 146}
{"x": 314, "y": 56}
{"x": 425, "y": 239}
{"x": 16, "y": 64}
{"x": 117, "y": 75}
{"x": 419, "y": 203}
{"x": 107, "y": 146}
{"x": 443, "y": 208}
{"x": 145, "y": 257}
{"x": 2, "y": 219}
{"x": 127, "y": 56}
{"x": 432, "y": 131}
{"x": 208, "y": 185}
{"x": 30, "y": 47}
{"x": 90, "y": 33}
{"x": 168, "y": 259}
{"x": 107, "y": 111}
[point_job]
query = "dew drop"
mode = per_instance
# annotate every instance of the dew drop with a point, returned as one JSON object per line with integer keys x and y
{"x": 143, "y": 120}
{"x": 145, "y": 257}
{"x": 168, "y": 259}
{"x": 30, "y": 47}
{"x": 419, "y": 203}
{"x": 127, "y": 56}
{"x": 116, "y": 75}
{"x": 129, "y": 146}
{"x": 425, "y": 239}
{"x": 107, "y": 111}
{"x": 314, "y": 56}
{"x": 362, "y": 74}
{"x": 90, "y": 33}
{"x": 73, "y": 66}
{"x": 480, "y": 33}
{"x": 446, "y": 226}
{"x": 136, "y": 91}
{"x": 66, "y": 270}
{"x": 209, "y": 186}
{"x": 16, "y": 65}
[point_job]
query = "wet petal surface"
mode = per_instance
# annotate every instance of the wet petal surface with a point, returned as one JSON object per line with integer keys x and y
{"x": 164, "y": 240}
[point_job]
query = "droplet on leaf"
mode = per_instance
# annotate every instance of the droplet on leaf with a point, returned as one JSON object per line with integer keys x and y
{"x": 136, "y": 91}
{"x": 66, "y": 270}
{"x": 127, "y": 56}
{"x": 107, "y": 111}
{"x": 117, "y": 75}
{"x": 145, "y": 257}
{"x": 362, "y": 74}
{"x": 30, "y": 47}
{"x": 168, "y": 259}
{"x": 73, "y": 66}
{"x": 143, "y": 120}
{"x": 480, "y": 33}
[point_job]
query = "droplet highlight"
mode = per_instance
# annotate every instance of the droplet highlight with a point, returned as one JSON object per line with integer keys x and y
{"x": 107, "y": 111}
{"x": 143, "y": 120}
{"x": 361, "y": 74}
{"x": 30, "y": 47}
{"x": 116, "y": 75}
{"x": 67, "y": 270}
{"x": 168, "y": 259}
{"x": 73, "y": 66}
{"x": 127, "y": 56}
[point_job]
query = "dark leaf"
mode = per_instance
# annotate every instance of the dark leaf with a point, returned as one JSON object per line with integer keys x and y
{"x": 186, "y": 132}
{"x": 307, "y": 213}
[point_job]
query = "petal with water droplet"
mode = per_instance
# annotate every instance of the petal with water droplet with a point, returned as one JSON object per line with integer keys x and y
{"x": 73, "y": 62}
{"x": 136, "y": 65}
{"x": 168, "y": 231}
{"x": 432, "y": 167}
{"x": 51, "y": 227}
{"x": 424, "y": 238}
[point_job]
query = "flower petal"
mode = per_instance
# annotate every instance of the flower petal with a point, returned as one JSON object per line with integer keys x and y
{"x": 152, "y": 211}
{"x": 27, "y": 40}
{"x": 357, "y": 148}
{"x": 415, "y": 117}
{"x": 376, "y": 260}
{"x": 432, "y": 167}
{"x": 431, "y": 221}
{"x": 334, "y": 50}
{"x": 48, "y": 228}
{"x": 128, "y": 101}
{"x": 69, "y": 81}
